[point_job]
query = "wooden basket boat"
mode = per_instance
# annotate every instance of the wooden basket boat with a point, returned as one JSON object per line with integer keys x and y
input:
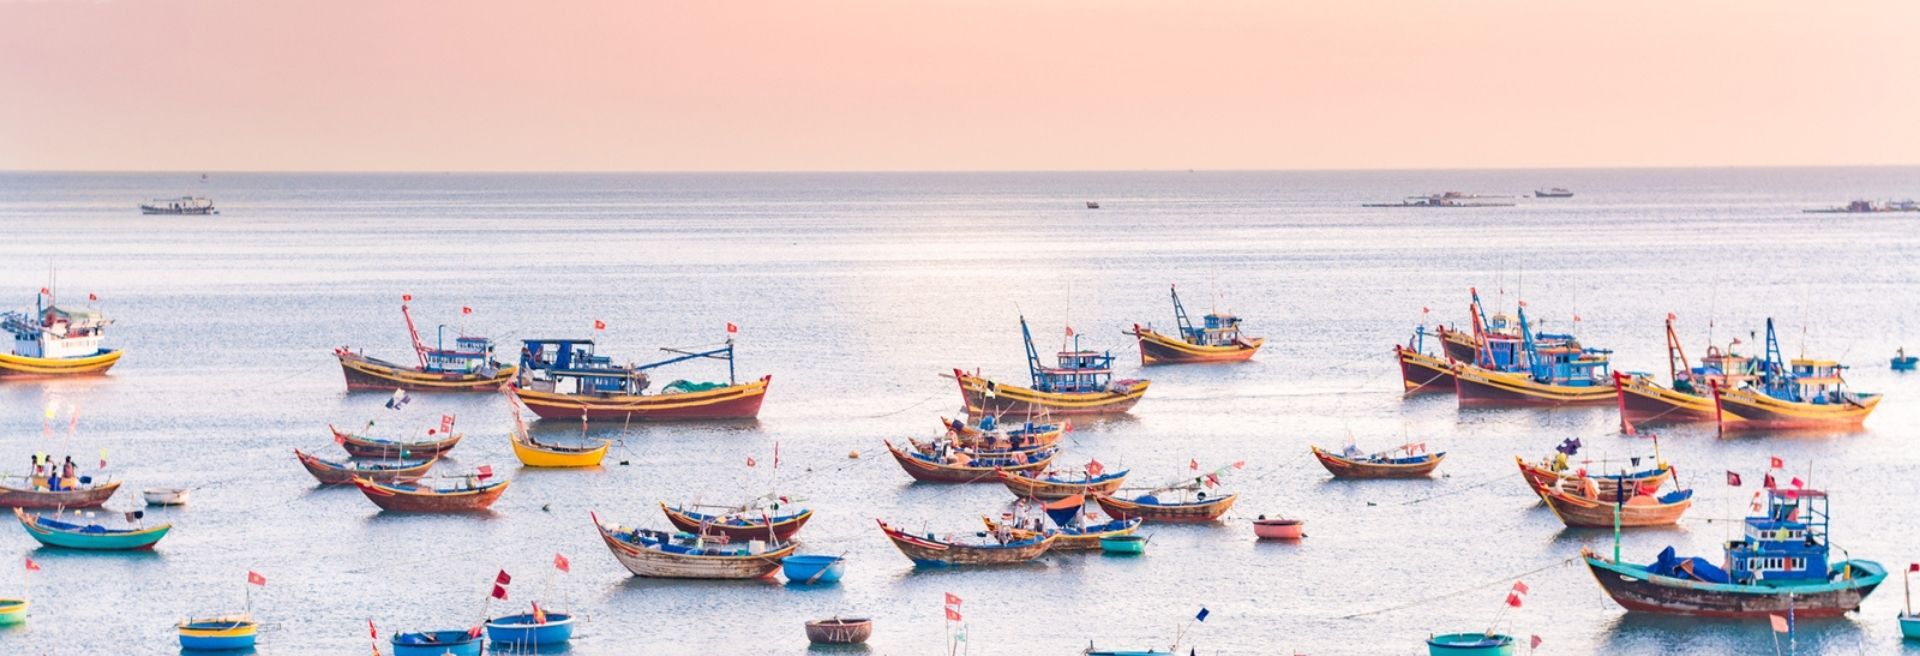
{"x": 20, "y": 366}
{"x": 1150, "y": 508}
{"x": 457, "y": 642}
{"x": 980, "y": 469}
{"x": 330, "y": 472}
{"x": 659, "y": 554}
{"x": 740, "y": 401}
{"x": 226, "y": 632}
{"x": 1381, "y": 467}
{"x": 19, "y": 492}
{"x": 929, "y": 551}
{"x": 839, "y": 631}
{"x": 1423, "y": 374}
{"x": 366, "y": 373}
{"x": 13, "y": 611}
{"x": 527, "y": 630}
{"x": 1606, "y": 485}
{"x": 1644, "y": 510}
{"x": 986, "y": 397}
{"x": 1638, "y": 589}
{"x": 166, "y": 496}
{"x": 1026, "y": 485}
{"x": 414, "y": 497}
{"x": 1156, "y": 348}
{"x": 1279, "y": 528}
{"x": 1470, "y": 644}
{"x": 53, "y": 532}
{"x": 1076, "y": 538}
{"x": 738, "y": 525}
{"x": 361, "y": 446}
{"x": 535, "y": 454}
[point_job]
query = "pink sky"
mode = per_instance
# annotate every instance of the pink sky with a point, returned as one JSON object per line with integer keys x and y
{"x": 954, "y": 84}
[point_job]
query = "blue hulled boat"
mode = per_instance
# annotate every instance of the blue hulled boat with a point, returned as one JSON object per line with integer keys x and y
{"x": 437, "y": 643}
{"x": 223, "y": 633}
{"x": 534, "y": 629}
{"x": 95, "y": 537}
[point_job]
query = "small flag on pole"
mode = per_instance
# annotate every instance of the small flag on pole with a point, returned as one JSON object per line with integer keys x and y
{"x": 255, "y": 578}
{"x": 1513, "y": 599}
{"x": 500, "y": 592}
{"x": 372, "y": 632}
{"x": 32, "y": 566}
{"x": 1671, "y": 317}
{"x": 560, "y": 563}
{"x": 1912, "y": 567}
{"x": 406, "y": 298}
{"x": 92, "y": 296}
{"x": 1773, "y": 462}
{"x": 952, "y": 600}
{"x": 1193, "y": 464}
{"x": 1094, "y": 468}
{"x": 1535, "y": 642}
{"x": 503, "y": 578}
{"x": 466, "y": 310}
{"x": 1779, "y": 623}
{"x": 599, "y": 325}
{"x": 1069, "y": 331}
{"x": 1520, "y": 587}
{"x": 1733, "y": 478}
{"x": 751, "y": 462}
{"x": 485, "y": 471}
{"x": 1202, "y": 615}
{"x": 953, "y": 615}
{"x": 731, "y": 328}
{"x": 1796, "y": 483}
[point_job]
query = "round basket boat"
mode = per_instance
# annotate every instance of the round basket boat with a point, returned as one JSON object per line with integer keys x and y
{"x": 808, "y": 569}
{"x": 840, "y": 630}
{"x": 1470, "y": 644}
{"x": 1279, "y": 529}
{"x": 165, "y": 496}
{"x": 1126, "y": 545}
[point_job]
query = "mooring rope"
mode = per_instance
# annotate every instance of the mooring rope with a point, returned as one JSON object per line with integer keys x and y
{"x": 1455, "y": 593}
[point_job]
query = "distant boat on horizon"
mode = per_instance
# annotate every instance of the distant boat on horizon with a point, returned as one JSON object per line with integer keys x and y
{"x": 1556, "y": 192}
{"x": 1443, "y": 199}
{"x": 1869, "y": 207}
{"x": 184, "y": 205}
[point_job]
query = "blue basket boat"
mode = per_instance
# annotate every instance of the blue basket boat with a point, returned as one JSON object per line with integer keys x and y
{"x": 55, "y": 533}
{"x": 218, "y": 633}
{"x": 458, "y": 642}
{"x": 1904, "y": 362}
{"x": 1470, "y": 644}
{"x": 809, "y": 569}
{"x": 526, "y": 630}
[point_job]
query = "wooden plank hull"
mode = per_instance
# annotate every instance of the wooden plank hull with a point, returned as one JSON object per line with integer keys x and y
{"x": 986, "y": 397}
{"x": 931, "y": 472}
{"x": 653, "y": 563}
{"x": 1485, "y": 388}
{"x": 333, "y": 473}
{"x": 1156, "y": 348}
{"x": 1580, "y": 512}
{"x": 361, "y": 446}
{"x": 1635, "y": 589}
{"x": 127, "y": 540}
{"x": 1460, "y": 346}
{"x": 20, "y": 366}
{"x": 364, "y": 373}
{"x": 559, "y": 457}
{"x": 1747, "y": 409}
{"x": 930, "y": 552}
{"x": 394, "y": 498}
{"x": 1645, "y": 402}
{"x": 1028, "y": 487}
{"x": 1342, "y": 467}
{"x": 1184, "y": 513}
{"x": 782, "y": 530}
{"x": 1605, "y": 485}
{"x": 90, "y": 497}
{"x": 1423, "y": 374}
{"x": 731, "y": 402}
{"x": 1080, "y": 539}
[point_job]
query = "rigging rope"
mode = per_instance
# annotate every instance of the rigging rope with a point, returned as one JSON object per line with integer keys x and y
{"x": 1498, "y": 581}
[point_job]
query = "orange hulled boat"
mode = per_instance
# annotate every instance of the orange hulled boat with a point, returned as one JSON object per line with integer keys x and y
{"x": 1690, "y": 397}
{"x": 1544, "y": 370}
{"x": 1218, "y": 339}
{"x": 1081, "y": 384}
{"x": 1803, "y": 393}
{"x": 468, "y": 366}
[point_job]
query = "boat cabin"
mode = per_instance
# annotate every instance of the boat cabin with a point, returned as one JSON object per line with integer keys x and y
{"x": 1215, "y": 330}
{"x": 1077, "y": 370}
{"x": 469, "y": 355}
{"x": 1559, "y": 359}
{"x": 1787, "y": 544}
{"x": 1725, "y": 369}
{"x": 550, "y": 365}
{"x": 55, "y": 332}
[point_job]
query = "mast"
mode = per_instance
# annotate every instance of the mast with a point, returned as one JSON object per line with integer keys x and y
{"x": 1776, "y": 369}
{"x": 1180, "y": 315}
{"x": 1527, "y": 344}
{"x": 1676, "y": 356}
{"x": 1480, "y": 326}
{"x": 419, "y": 350}
{"x": 1033, "y": 356}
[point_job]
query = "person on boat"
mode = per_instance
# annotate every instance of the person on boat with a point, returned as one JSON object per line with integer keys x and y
{"x": 68, "y": 478}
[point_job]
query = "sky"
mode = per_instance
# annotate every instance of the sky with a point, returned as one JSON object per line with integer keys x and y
{"x": 870, "y": 85}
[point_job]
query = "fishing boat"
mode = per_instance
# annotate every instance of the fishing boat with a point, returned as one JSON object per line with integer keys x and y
{"x": 1548, "y": 370}
{"x": 1556, "y": 192}
{"x": 1801, "y": 393}
{"x": 1443, "y": 199}
{"x": 843, "y": 630}
{"x": 1909, "y": 622}
{"x": 1076, "y": 533}
{"x": 1411, "y": 460}
{"x": 32, "y": 493}
{"x": 182, "y": 206}
{"x": 1556, "y": 473}
{"x": 1587, "y": 509}
{"x": 1778, "y": 566}
{"x": 223, "y": 633}
{"x": 1053, "y": 485}
{"x": 537, "y": 454}
{"x": 376, "y": 448}
{"x": 1869, "y": 207}
{"x": 536, "y": 629}
{"x": 748, "y": 521}
{"x": 956, "y": 465}
{"x": 930, "y": 551}
{"x": 13, "y": 611}
{"x": 456, "y": 642}
{"x": 469, "y": 366}
{"x": 166, "y": 496}
{"x": 660, "y": 554}
{"x": 331, "y": 472}
{"x": 468, "y": 494}
{"x": 55, "y": 341}
{"x": 1279, "y": 528}
{"x": 564, "y": 379}
{"x": 1902, "y": 361}
{"x": 1689, "y": 398}
{"x": 808, "y": 569}
{"x": 1420, "y": 372}
{"x": 1470, "y": 644}
{"x": 1081, "y": 383}
{"x": 1218, "y": 339}
{"x": 991, "y": 435}
{"x": 1149, "y": 506}
{"x": 91, "y": 536}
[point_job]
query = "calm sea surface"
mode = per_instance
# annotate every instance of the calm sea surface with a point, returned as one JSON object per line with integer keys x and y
{"x": 855, "y": 291}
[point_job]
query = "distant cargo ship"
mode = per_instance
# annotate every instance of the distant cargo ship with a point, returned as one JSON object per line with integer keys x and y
{"x": 1556, "y": 192}
{"x": 1447, "y": 199}
{"x": 1870, "y": 207}
{"x": 182, "y": 205}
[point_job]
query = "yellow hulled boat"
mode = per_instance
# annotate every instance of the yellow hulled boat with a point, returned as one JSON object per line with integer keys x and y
{"x": 1218, "y": 339}
{"x": 1801, "y": 393}
{"x": 467, "y": 366}
{"x": 1081, "y": 383}
{"x": 55, "y": 341}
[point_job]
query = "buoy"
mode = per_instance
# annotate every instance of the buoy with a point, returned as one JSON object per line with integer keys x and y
{"x": 853, "y": 455}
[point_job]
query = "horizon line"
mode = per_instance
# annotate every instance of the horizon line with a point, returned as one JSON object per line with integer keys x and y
{"x": 927, "y": 171}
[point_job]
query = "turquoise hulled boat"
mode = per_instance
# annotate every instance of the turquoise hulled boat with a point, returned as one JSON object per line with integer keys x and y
{"x": 56, "y": 533}
{"x": 224, "y": 633}
{"x": 1470, "y": 644}
{"x": 13, "y": 611}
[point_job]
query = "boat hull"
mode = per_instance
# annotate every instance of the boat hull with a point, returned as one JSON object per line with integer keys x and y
{"x": 134, "y": 540}
{"x": 1156, "y": 348}
{"x": 1483, "y": 388}
{"x": 782, "y": 530}
{"x": 984, "y": 397}
{"x": 1910, "y": 627}
{"x": 442, "y": 643}
{"x": 1081, "y": 539}
{"x": 538, "y": 455}
{"x": 360, "y": 446}
{"x": 91, "y": 497}
{"x": 1635, "y": 589}
{"x": 1470, "y": 644}
{"x": 1579, "y": 512}
{"x": 1344, "y": 468}
{"x": 1643, "y": 401}
{"x": 330, "y": 473}
{"x": 1746, "y": 409}
{"x": 1027, "y": 487}
{"x": 1459, "y": 346}
{"x": 524, "y": 631}
{"x": 392, "y": 499}
{"x": 652, "y": 563}
{"x": 837, "y": 631}
{"x": 1423, "y": 374}
{"x": 1605, "y": 485}
{"x": 1126, "y": 545}
{"x": 1185, "y": 513}
{"x": 730, "y": 402}
{"x": 217, "y": 634}
{"x": 930, "y": 472}
{"x": 13, "y": 611}
{"x": 20, "y": 366}
{"x": 1279, "y": 529}
{"x": 364, "y": 373}
{"x": 925, "y": 552}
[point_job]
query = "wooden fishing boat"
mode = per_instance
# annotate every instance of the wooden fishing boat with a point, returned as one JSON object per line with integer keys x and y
{"x": 330, "y": 472}
{"x": 1218, "y": 339}
{"x": 1583, "y": 511}
{"x": 469, "y": 366}
{"x": 540, "y": 629}
{"x": 13, "y": 611}
{"x": 182, "y": 206}
{"x": 1547, "y": 369}
{"x": 1421, "y": 373}
{"x": 839, "y": 631}
{"x": 929, "y": 551}
{"x": 660, "y": 554}
{"x": 1081, "y": 383}
{"x": 1478, "y": 387}
{"x": 1779, "y": 566}
{"x": 740, "y": 523}
{"x": 1462, "y": 345}
{"x": 1401, "y": 462}
{"x": 1470, "y": 644}
{"x": 1153, "y": 509}
{"x": 223, "y": 633}
{"x": 536, "y": 454}
{"x": 1052, "y": 486}
{"x": 455, "y": 642}
{"x": 55, "y": 341}
{"x": 1791, "y": 394}
{"x": 166, "y": 496}
{"x": 989, "y": 434}
{"x": 1556, "y": 474}
{"x": 1279, "y": 528}
{"x": 963, "y": 466}
{"x": 32, "y": 494}
{"x": 1689, "y": 398}
{"x": 1075, "y": 537}
{"x": 465, "y": 495}
{"x": 55, "y": 532}
{"x": 374, "y": 448}
{"x": 564, "y": 379}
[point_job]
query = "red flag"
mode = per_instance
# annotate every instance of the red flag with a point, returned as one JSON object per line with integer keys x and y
{"x": 1094, "y": 468}
{"x": 1733, "y": 478}
{"x": 599, "y": 325}
{"x": 952, "y": 600}
{"x": 1424, "y": 309}
{"x": 1513, "y": 599}
{"x": 1735, "y": 342}
{"x": 1576, "y": 317}
{"x": 1193, "y": 465}
{"x": 953, "y": 615}
{"x": 1796, "y": 483}
{"x": 539, "y": 616}
{"x": 1535, "y": 643}
{"x": 255, "y": 578}
{"x": 474, "y": 632}
{"x": 92, "y": 297}
{"x": 1773, "y": 462}
{"x": 35, "y": 567}
{"x": 1913, "y": 567}
{"x": 44, "y": 292}
{"x": 1520, "y": 587}
{"x": 406, "y": 298}
{"x": 1066, "y": 426}
{"x": 466, "y": 310}
{"x": 1766, "y": 481}
{"x": 1523, "y": 303}
{"x": 750, "y": 461}
{"x": 1242, "y": 464}
{"x": 1213, "y": 480}
{"x": 499, "y": 593}
{"x": 503, "y": 578}
{"x": 1779, "y": 623}
{"x": 371, "y": 631}
{"x": 1670, "y": 316}
{"x": 560, "y": 563}
{"x": 731, "y": 329}
{"x": 485, "y": 471}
